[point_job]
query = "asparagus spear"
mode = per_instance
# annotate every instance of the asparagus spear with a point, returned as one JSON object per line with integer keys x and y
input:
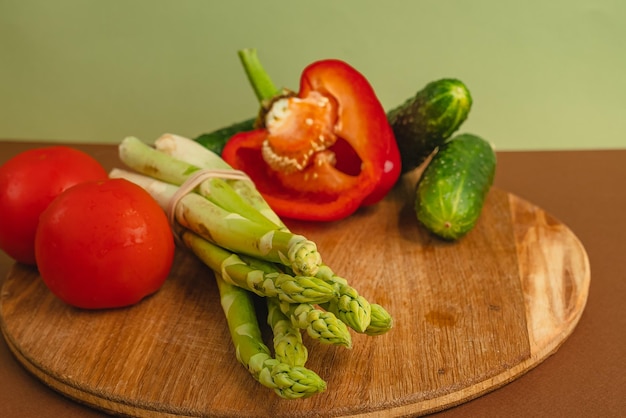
{"x": 350, "y": 307}
{"x": 233, "y": 269}
{"x": 240, "y": 235}
{"x": 381, "y": 322}
{"x": 288, "y": 345}
{"x": 290, "y": 382}
{"x": 320, "y": 325}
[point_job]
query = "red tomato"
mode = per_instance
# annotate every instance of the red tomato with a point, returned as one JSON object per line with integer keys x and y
{"x": 104, "y": 244}
{"x": 28, "y": 183}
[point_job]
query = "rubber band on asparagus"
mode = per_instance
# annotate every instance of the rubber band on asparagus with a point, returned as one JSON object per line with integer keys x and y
{"x": 194, "y": 181}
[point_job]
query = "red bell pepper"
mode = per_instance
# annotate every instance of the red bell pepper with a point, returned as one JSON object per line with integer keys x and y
{"x": 323, "y": 153}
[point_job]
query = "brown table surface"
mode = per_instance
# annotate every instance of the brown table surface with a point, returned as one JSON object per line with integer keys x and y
{"x": 585, "y": 378}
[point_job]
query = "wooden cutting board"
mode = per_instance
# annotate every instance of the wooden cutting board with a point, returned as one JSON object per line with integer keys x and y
{"x": 469, "y": 317}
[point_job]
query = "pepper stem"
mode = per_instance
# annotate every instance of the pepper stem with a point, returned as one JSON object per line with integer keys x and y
{"x": 259, "y": 79}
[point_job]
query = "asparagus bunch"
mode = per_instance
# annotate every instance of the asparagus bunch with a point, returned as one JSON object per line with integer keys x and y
{"x": 218, "y": 214}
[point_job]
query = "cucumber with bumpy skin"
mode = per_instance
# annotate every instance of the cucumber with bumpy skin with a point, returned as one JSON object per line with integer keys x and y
{"x": 429, "y": 118}
{"x": 216, "y": 140}
{"x": 452, "y": 189}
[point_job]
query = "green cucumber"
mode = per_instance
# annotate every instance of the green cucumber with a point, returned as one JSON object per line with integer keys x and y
{"x": 425, "y": 121}
{"x": 216, "y": 140}
{"x": 452, "y": 189}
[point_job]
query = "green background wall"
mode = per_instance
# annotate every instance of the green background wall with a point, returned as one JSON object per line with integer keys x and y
{"x": 544, "y": 74}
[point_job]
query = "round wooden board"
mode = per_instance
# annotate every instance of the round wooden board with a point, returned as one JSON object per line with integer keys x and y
{"x": 470, "y": 316}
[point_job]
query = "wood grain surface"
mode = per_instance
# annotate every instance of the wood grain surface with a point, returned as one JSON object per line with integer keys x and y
{"x": 469, "y": 316}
